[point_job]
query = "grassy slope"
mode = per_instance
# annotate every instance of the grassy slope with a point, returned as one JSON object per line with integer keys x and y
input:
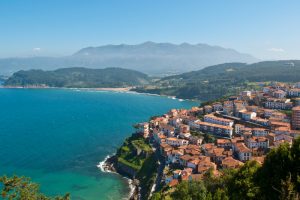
{"x": 127, "y": 152}
{"x": 145, "y": 166}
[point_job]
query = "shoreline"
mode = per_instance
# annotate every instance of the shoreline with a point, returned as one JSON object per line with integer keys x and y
{"x": 120, "y": 90}
{"x": 108, "y": 166}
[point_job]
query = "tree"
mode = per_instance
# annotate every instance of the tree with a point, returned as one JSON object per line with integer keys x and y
{"x": 220, "y": 194}
{"x": 217, "y": 186}
{"x": 156, "y": 196}
{"x": 21, "y": 188}
{"x": 276, "y": 167}
{"x": 295, "y": 155}
{"x": 287, "y": 191}
{"x": 190, "y": 190}
{"x": 242, "y": 185}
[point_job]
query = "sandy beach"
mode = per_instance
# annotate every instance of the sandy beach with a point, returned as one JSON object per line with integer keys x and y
{"x": 126, "y": 89}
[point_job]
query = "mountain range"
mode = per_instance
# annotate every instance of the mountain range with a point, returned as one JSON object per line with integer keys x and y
{"x": 152, "y": 58}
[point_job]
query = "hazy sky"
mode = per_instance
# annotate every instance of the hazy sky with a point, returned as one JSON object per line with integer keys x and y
{"x": 267, "y": 29}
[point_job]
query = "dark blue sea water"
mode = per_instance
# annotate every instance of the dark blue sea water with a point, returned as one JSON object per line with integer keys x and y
{"x": 58, "y": 137}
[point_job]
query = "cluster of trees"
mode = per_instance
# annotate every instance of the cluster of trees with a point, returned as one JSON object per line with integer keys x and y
{"x": 277, "y": 179}
{"x": 21, "y": 188}
{"x": 204, "y": 91}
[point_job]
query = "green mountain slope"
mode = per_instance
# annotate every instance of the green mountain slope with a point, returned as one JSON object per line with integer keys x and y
{"x": 224, "y": 79}
{"x": 79, "y": 77}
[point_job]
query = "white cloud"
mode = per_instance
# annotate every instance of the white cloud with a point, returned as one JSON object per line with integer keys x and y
{"x": 36, "y": 49}
{"x": 276, "y": 49}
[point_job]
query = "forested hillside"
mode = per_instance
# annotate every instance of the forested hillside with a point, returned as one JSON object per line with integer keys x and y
{"x": 79, "y": 77}
{"x": 225, "y": 79}
{"x": 209, "y": 83}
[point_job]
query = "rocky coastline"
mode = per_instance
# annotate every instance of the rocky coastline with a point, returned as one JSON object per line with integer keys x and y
{"x": 110, "y": 165}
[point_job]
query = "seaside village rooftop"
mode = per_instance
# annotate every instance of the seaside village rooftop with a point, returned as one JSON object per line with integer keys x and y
{"x": 224, "y": 134}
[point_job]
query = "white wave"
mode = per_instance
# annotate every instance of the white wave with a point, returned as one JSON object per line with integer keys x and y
{"x": 102, "y": 163}
{"x": 131, "y": 187}
{"x": 130, "y": 181}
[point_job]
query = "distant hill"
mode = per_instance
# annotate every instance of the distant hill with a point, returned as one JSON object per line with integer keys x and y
{"x": 284, "y": 70}
{"x": 149, "y": 57}
{"x": 209, "y": 83}
{"x": 218, "y": 80}
{"x": 79, "y": 77}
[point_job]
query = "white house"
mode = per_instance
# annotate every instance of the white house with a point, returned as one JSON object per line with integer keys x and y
{"x": 215, "y": 128}
{"x": 174, "y": 156}
{"x": 246, "y": 93}
{"x": 167, "y": 129}
{"x": 257, "y": 142}
{"x": 259, "y": 132}
{"x": 218, "y": 120}
{"x": 239, "y": 128}
{"x": 243, "y": 152}
{"x": 246, "y": 115}
{"x": 283, "y": 104}
{"x": 295, "y": 92}
{"x": 176, "y": 142}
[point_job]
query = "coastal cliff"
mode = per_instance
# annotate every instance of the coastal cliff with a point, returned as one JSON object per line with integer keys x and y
{"x": 136, "y": 160}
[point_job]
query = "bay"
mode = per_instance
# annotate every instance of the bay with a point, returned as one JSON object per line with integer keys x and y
{"x": 58, "y": 136}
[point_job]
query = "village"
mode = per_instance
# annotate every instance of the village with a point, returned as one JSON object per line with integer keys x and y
{"x": 224, "y": 134}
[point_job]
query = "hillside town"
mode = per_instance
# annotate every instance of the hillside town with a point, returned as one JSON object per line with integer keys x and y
{"x": 224, "y": 134}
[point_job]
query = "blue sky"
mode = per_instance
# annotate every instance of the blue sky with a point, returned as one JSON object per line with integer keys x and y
{"x": 267, "y": 29}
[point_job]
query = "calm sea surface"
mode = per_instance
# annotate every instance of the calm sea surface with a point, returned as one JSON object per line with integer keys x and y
{"x": 58, "y": 137}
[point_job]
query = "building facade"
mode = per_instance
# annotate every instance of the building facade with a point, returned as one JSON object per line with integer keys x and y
{"x": 296, "y": 117}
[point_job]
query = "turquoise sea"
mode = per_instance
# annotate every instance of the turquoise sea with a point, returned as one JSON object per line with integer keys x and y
{"x": 57, "y": 137}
